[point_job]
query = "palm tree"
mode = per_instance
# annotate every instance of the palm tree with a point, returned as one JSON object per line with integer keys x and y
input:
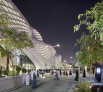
{"x": 12, "y": 38}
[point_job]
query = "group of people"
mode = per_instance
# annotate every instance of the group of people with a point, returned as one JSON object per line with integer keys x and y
{"x": 31, "y": 78}
{"x": 55, "y": 74}
{"x": 40, "y": 73}
{"x": 67, "y": 72}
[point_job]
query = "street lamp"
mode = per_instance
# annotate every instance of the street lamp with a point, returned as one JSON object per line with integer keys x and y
{"x": 57, "y": 45}
{"x": 73, "y": 58}
{"x": 73, "y": 63}
{"x": 77, "y": 64}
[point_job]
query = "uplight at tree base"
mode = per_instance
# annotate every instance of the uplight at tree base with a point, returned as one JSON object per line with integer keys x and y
{"x": 98, "y": 70}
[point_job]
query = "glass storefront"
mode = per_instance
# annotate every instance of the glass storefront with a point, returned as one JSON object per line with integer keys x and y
{"x": 26, "y": 62}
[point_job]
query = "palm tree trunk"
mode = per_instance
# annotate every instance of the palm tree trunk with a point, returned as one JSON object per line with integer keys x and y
{"x": 7, "y": 59}
{"x": 90, "y": 73}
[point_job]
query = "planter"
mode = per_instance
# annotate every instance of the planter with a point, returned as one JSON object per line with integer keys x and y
{"x": 7, "y": 83}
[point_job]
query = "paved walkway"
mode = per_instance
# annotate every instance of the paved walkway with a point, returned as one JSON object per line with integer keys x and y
{"x": 49, "y": 85}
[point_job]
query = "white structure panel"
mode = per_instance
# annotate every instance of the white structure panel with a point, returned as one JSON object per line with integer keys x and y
{"x": 42, "y": 54}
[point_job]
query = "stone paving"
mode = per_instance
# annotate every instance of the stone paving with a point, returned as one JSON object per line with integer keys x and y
{"x": 50, "y": 85}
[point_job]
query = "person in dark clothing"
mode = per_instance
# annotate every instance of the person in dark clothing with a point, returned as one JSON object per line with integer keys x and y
{"x": 70, "y": 72}
{"x": 84, "y": 75}
{"x": 37, "y": 73}
{"x": 34, "y": 83}
{"x": 66, "y": 73}
{"x": 52, "y": 72}
{"x": 77, "y": 76}
{"x": 60, "y": 72}
{"x": 93, "y": 69}
{"x": 42, "y": 72}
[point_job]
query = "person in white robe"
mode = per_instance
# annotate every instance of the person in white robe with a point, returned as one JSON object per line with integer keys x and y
{"x": 27, "y": 78}
{"x": 32, "y": 72}
{"x": 57, "y": 72}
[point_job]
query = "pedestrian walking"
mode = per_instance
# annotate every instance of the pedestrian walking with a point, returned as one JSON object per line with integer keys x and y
{"x": 66, "y": 73}
{"x": 27, "y": 78}
{"x": 63, "y": 72}
{"x": 60, "y": 72}
{"x": 37, "y": 73}
{"x": 31, "y": 73}
{"x": 77, "y": 75}
{"x": 84, "y": 74}
{"x": 57, "y": 75}
{"x": 34, "y": 83}
{"x": 93, "y": 69}
{"x": 42, "y": 72}
{"x": 70, "y": 72}
{"x": 52, "y": 74}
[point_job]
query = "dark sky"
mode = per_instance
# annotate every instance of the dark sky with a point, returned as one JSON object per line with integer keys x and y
{"x": 54, "y": 19}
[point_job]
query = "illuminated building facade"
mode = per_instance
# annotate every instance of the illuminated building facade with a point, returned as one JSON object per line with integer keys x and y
{"x": 42, "y": 55}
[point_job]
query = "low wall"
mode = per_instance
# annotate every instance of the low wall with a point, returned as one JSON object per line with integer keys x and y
{"x": 7, "y": 83}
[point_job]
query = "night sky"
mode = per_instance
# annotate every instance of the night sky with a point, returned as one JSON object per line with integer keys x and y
{"x": 54, "y": 19}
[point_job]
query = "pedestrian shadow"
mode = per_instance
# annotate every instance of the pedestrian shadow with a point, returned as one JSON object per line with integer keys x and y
{"x": 39, "y": 84}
